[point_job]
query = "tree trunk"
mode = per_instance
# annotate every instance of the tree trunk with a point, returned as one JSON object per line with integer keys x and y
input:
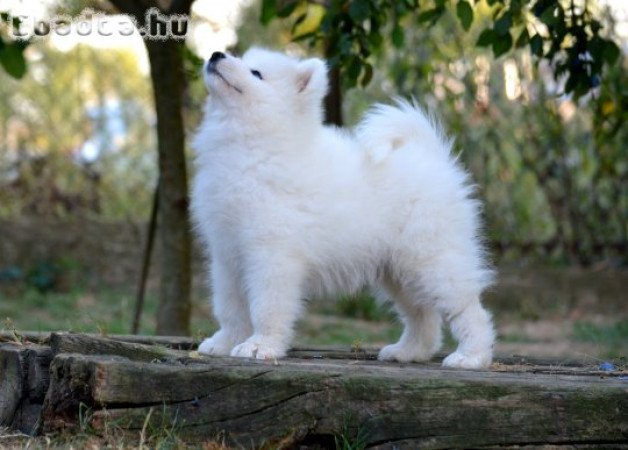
{"x": 333, "y": 100}
{"x": 173, "y": 317}
{"x": 167, "y": 75}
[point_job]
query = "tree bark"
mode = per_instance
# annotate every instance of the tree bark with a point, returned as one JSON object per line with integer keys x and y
{"x": 333, "y": 100}
{"x": 167, "y": 75}
{"x": 173, "y": 317}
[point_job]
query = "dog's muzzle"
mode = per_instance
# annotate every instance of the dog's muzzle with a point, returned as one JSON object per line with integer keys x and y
{"x": 213, "y": 61}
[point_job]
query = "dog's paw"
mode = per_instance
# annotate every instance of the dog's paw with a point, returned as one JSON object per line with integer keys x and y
{"x": 462, "y": 361}
{"x": 403, "y": 353}
{"x": 258, "y": 349}
{"x": 217, "y": 345}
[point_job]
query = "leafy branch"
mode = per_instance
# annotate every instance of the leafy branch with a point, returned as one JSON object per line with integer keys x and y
{"x": 565, "y": 33}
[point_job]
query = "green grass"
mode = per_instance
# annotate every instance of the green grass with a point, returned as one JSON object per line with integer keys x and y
{"x": 613, "y": 337}
{"x": 517, "y": 338}
{"x": 350, "y": 321}
{"x": 102, "y": 310}
{"x": 110, "y": 311}
{"x": 361, "y": 306}
{"x": 329, "y": 330}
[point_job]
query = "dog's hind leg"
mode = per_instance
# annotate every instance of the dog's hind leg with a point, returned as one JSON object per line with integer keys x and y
{"x": 472, "y": 327}
{"x": 453, "y": 282}
{"x": 422, "y": 333}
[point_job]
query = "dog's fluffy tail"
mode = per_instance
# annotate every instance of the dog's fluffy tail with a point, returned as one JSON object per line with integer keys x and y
{"x": 386, "y": 128}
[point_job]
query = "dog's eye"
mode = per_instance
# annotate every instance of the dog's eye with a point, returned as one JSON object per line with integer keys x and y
{"x": 257, "y": 74}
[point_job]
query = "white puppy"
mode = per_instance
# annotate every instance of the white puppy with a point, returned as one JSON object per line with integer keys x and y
{"x": 288, "y": 209}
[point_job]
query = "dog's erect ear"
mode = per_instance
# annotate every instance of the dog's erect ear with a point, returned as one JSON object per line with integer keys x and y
{"x": 312, "y": 77}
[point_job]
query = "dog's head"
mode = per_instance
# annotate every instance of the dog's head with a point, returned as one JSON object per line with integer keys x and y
{"x": 266, "y": 85}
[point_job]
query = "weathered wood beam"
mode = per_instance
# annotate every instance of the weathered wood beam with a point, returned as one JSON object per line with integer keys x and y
{"x": 406, "y": 406}
{"x": 91, "y": 345}
{"x": 24, "y": 381}
{"x": 43, "y": 338}
{"x": 504, "y": 362}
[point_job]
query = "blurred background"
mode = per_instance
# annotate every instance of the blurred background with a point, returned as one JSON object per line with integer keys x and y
{"x": 82, "y": 140}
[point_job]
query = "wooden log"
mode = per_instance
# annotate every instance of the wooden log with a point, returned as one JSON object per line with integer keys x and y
{"x": 24, "y": 381}
{"x": 312, "y": 400}
{"x": 508, "y": 362}
{"x": 38, "y": 376}
{"x": 98, "y": 345}
{"x": 11, "y": 381}
{"x": 43, "y": 338}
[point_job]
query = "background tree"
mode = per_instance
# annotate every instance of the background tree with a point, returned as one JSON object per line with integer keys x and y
{"x": 550, "y": 173}
{"x": 561, "y": 200}
{"x": 168, "y": 80}
{"x": 75, "y": 151}
{"x": 566, "y": 33}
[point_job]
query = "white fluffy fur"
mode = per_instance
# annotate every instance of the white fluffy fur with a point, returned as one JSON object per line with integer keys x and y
{"x": 289, "y": 209}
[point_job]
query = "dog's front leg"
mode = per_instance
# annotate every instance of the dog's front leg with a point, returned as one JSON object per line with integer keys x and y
{"x": 274, "y": 287}
{"x": 230, "y": 308}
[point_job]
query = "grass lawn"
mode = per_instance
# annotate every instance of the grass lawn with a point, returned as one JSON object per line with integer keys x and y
{"x": 347, "y": 322}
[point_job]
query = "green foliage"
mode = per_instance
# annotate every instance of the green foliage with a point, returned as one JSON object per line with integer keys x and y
{"x": 44, "y": 276}
{"x": 348, "y": 439}
{"x": 11, "y": 51}
{"x": 349, "y": 31}
{"x": 549, "y": 171}
{"x": 65, "y": 100}
{"x": 566, "y": 33}
{"x": 465, "y": 14}
{"x": 360, "y": 306}
{"x": 12, "y": 58}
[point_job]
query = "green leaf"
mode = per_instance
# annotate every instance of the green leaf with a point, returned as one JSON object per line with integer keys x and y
{"x": 359, "y": 10}
{"x": 536, "y": 45}
{"x": 430, "y": 15}
{"x": 486, "y": 38}
{"x": 375, "y": 39}
{"x": 288, "y": 9}
{"x": 368, "y": 75}
{"x": 549, "y": 17}
{"x": 398, "y": 36}
{"x": 12, "y": 59}
{"x": 465, "y": 13}
{"x": 305, "y": 36}
{"x": 345, "y": 45}
{"x": 297, "y": 22}
{"x": 269, "y": 10}
{"x": 353, "y": 70}
{"x": 610, "y": 52}
{"x": 503, "y": 24}
{"x": 502, "y": 44}
{"x": 523, "y": 38}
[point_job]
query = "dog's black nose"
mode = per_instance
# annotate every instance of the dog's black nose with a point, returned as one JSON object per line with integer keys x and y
{"x": 217, "y": 56}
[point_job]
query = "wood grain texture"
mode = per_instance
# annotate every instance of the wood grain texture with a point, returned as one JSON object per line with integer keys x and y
{"x": 323, "y": 394}
{"x": 11, "y": 381}
{"x": 24, "y": 381}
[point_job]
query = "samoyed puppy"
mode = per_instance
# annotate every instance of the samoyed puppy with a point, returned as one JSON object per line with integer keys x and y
{"x": 289, "y": 209}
